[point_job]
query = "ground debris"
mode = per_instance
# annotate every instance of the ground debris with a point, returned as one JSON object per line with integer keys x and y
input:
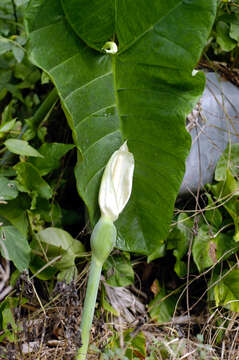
{"x": 52, "y": 332}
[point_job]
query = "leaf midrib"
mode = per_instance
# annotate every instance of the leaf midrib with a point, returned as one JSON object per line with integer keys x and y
{"x": 114, "y": 57}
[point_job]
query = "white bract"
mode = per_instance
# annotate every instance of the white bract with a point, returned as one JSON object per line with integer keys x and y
{"x": 116, "y": 183}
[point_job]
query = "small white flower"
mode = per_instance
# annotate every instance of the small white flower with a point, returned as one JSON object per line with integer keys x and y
{"x": 194, "y": 72}
{"x": 110, "y": 47}
{"x": 116, "y": 183}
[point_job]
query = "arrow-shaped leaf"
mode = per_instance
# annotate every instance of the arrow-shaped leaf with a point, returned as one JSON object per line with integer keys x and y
{"x": 141, "y": 94}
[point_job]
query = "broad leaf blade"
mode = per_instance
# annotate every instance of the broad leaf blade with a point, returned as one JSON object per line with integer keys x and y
{"x": 14, "y": 246}
{"x": 93, "y": 21}
{"x": 15, "y": 212}
{"x": 97, "y": 22}
{"x": 142, "y": 94}
{"x": 59, "y": 242}
{"x": 30, "y": 181}
{"x": 52, "y": 153}
{"x": 8, "y": 190}
{"x": 228, "y": 161}
{"x": 227, "y": 291}
{"x": 21, "y": 147}
{"x": 203, "y": 249}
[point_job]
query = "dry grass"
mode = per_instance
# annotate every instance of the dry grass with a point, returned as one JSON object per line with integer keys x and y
{"x": 51, "y": 330}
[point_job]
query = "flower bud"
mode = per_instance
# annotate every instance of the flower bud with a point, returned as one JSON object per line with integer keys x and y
{"x": 110, "y": 47}
{"x": 116, "y": 183}
{"x": 103, "y": 239}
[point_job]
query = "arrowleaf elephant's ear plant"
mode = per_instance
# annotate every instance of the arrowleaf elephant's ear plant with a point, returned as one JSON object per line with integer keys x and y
{"x": 115, "y": 191}
{"x": 123, "y": 70}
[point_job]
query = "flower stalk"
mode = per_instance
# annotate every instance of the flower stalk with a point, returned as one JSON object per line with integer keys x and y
{"x": 115, "y": 191}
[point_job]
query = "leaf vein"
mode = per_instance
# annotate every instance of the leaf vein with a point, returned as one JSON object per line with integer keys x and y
{"x": 87, "y": 84}
{"x": 63, "y": 62}
{"x": 49, "y": 25}
{"x": 150, "y": 28}
{"x": 94, "y": 113}
{"x": 97, "y": 141}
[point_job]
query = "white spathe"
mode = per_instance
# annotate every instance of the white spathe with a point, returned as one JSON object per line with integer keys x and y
{"x": 116, "y": 183}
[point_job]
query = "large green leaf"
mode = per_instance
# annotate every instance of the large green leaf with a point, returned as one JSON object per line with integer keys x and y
{"x": 223, "y": 38}
{"x": 56, "y": 242}
{"x": 15, "y": 212}
{"x": 118, "y": 270}
{"x": 203, "y": 249}
{"x": 30, "y": 181}
{"x": 14, "y": 246}
{"x": 8, "y": 190}
{"x": 51, "y": 243}
{"x": 228, "y": 161}
{"x": 142, "y": 93}
{"x": 162, "y": 310}
{"x": 227, "y": 191}
{"x": 21, "y": 147}
{"x": 227, "y": 291}
{"x": 178, "y": 241}
{"x": 51, "y": 155}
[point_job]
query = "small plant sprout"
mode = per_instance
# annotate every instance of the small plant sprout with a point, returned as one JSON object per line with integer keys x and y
{"x": 115, "y": 191}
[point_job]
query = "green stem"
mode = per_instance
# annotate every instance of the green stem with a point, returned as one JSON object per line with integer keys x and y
{"x": 102, "y": 242}
{"x": 3, "y": 150}
{"x": 89, "y": 305}
{"x": 43, "y": 109}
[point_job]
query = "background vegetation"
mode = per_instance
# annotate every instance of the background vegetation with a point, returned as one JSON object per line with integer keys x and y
{"x": 47, "y": 232}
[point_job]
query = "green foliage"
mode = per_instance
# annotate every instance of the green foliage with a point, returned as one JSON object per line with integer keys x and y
{"x": 8, "y": 189}
{"x": 55, "y": 244}
{"x": 118, "y": 270}
{"x": 178, "y": 241}
{"x": 225, "y": 34}
{"x": 21, "y": 147}
{"x": 6, "y": 127}
{"x": 7, "y": 320}
{"x": 51, "y": 156}
{"x": 15, "y": 247}
{"x": 135, "y": 94}
{"x": 14, "y": 211}
{"x": 27, "y": 185}
{"x": 227, "y": 291}
{"x": 212, "y": 213}
{"x": 228, "y": 188}
{"x": 30, "y": 181}
{"x": 106, "y": 306}
{"x": 162, "y": 307}
{"x": 215, "y": 234}
{"x": 16, "y": 73}
{"x": 135, "y": 347}
{"x": 201, "y": 250}
{"x": 229, "y": 160}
